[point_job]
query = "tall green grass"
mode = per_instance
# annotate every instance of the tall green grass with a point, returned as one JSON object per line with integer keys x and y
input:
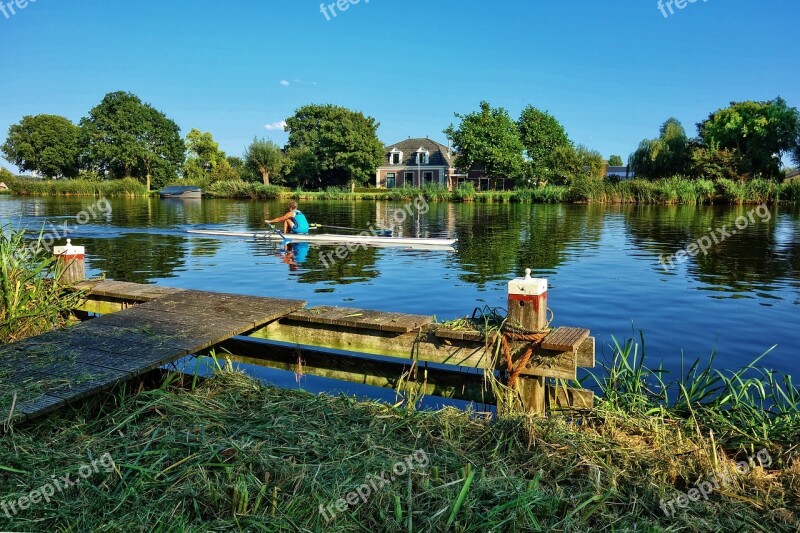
{"x": 752, "y": 406}
{"x": 78, "y": 187}
{"x": 31, "y": 299}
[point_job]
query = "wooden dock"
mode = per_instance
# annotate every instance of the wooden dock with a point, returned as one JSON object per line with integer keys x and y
{"x": 45, "y": 372}
{"x": 143, "y": 327}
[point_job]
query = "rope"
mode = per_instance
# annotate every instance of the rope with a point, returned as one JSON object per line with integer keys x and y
{"x": 509, "y": 333}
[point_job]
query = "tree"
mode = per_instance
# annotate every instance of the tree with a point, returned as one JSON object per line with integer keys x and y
{"x": 762, "y": 132}
{"x": 666, "y": 156}
{"x": 571, "y": 162}
{"x": 206, "y": 162}
{"x": 302, "y": 168}
{"x": 615, "y": 161}
{"x": 264, "y": 157}
{"x": 344, "y": 143}
{"x": 125, "y": 137}
{"x": 541, "y": 134}
{"x": 44, "y": 143}
{"x": 488, "y": 139}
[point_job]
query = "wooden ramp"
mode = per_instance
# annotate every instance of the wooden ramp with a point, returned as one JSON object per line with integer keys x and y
{"x": 45, "y": 372}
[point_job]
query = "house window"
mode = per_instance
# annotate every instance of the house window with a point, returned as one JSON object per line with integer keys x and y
{"x": 423, "y": 156}
{"x": 390, "y": 180}
{"x": 409, "y": 179}
{"x": 395, "y": 157}
{"x": 427, "y": 177}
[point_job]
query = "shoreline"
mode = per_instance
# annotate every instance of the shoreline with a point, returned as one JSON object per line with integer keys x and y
{"x": 673, "y": 191}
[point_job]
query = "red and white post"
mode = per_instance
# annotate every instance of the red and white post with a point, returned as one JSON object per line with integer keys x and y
{"x": 72, "y": 263}
{"x": 527, "y": 309}
{"x": 527, "y": 302}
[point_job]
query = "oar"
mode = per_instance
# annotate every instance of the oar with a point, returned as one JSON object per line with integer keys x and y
{"x": 277, "y": 232}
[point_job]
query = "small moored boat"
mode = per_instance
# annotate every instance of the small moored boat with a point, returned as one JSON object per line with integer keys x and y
{"x": 181, "y": 192}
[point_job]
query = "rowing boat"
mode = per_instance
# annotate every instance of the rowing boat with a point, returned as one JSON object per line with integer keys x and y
{"x": 329, "y": 238}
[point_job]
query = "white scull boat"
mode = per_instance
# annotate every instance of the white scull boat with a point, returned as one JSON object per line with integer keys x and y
{"x": 328, "y": 238}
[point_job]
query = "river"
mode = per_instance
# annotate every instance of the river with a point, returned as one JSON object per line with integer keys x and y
{"x": 739, "y": 298}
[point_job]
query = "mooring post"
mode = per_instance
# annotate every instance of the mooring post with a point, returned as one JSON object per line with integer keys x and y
{"x": 72, "y": 263}
{"x": 527, "y": 309}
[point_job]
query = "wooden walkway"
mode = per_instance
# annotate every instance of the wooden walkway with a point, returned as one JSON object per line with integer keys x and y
{"x": 45, "y": 372}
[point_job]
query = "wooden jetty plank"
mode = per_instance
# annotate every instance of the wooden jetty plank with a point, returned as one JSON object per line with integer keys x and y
{"x": 361, "y": 319}
{"x": 69, "y": 364}
{"x": 561, "y": 366}
{"x": 123, "y": 290}
{"x": 564, "y": 339}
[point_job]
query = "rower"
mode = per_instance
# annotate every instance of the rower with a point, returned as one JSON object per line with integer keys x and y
{"x": 293, "y": 222}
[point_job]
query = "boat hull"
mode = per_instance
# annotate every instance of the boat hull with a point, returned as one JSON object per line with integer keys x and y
{"x": 368, "y": 240}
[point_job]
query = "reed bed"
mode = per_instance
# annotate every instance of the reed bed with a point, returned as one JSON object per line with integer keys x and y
{"x": 127, "y": 187}
{"x": 246, "y": 190}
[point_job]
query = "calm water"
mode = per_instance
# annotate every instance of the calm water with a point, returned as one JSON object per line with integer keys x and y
{"x": 602, "y": 262}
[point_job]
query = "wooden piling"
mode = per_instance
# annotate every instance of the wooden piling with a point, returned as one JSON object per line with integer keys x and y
{"x": 72, "y": 263}
{"x": 527, "y": 309}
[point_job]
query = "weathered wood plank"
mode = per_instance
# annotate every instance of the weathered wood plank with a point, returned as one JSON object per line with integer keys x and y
{"x": 564, "y": 339}
{"x": 562, "y": 366}
{"x": 560, "y": 397}
{"x": 362, "y": 319}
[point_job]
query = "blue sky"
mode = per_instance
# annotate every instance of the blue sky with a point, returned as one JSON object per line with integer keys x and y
{"x": 610, "y": 71}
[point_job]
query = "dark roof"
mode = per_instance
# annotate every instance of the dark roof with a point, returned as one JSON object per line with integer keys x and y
{"x": 439, "y": 155}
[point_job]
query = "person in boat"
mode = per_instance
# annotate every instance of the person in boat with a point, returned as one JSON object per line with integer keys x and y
{"x": 293, "y": 222}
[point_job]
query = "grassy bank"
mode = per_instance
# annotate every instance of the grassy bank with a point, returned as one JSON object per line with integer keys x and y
{"x": 231, "y": 454}
{"x": 78, "y": 187}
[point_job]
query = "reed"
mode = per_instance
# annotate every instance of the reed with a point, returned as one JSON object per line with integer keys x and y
{"x": 243, "y": 190}
{"x": 127, "y": 187}
{"x": 31, "y": 300}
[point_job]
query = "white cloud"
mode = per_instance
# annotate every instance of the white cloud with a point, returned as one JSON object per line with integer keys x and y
{"x": 276, "y": 126}
{"x": 284, "y": 83}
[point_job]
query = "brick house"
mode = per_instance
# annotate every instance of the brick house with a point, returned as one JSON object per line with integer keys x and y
{"x": 416, "y": 162}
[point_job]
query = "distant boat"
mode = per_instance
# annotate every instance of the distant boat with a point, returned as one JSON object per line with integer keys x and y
{"x": 181, "y": 192}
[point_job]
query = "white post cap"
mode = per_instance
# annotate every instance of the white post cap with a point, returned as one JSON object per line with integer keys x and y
{"x": 69, "y": 249}
{"x": 527, "y": 286}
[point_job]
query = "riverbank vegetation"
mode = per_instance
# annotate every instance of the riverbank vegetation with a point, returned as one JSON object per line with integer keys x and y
{"x": 31, "y": 300}
{"x": 229, "y": 452}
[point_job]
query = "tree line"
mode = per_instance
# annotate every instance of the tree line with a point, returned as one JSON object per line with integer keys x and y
{"x": 124, "y": 137}
{"x": 331, "y": 145}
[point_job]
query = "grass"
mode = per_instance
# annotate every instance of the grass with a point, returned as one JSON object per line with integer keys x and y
{"x": 78, "y": 187}
{"x": 31, "y": 300}
{"x": 231, "y": 454}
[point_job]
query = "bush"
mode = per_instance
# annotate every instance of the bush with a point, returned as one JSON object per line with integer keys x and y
{"x": 245, "y": 190}
{"x": 464, "y": 193}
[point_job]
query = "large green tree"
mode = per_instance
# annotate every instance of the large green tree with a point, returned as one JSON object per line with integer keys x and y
{"x": 47, "y": 144}
{"x": 666, "y": 156}
{"x": 264, "y": 157}
{"x": 126, "y": 137}
{"x": 761, "y": 133}
{"x": 488, "y": 139}
{"x": 541, "y": 134}
{"x": 344, "y": 143}
{"x": 206, "y": 162}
